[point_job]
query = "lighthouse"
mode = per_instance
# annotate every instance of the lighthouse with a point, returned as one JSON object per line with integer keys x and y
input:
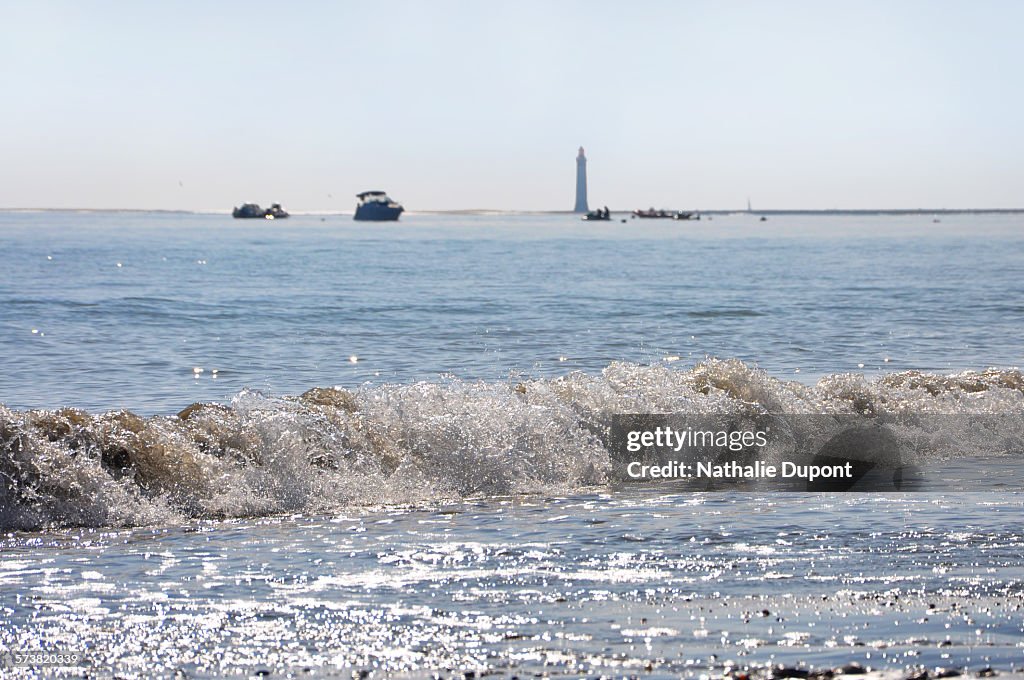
{"x": 581, "y": 183}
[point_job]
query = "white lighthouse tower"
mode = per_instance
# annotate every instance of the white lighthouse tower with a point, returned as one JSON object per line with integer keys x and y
{"x": 581, "y": 183}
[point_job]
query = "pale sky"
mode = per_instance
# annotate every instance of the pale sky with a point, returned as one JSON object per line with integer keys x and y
{"x": 458, "y": 105}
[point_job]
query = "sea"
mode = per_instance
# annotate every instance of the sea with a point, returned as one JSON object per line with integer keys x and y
{"x": 314, "y": 447}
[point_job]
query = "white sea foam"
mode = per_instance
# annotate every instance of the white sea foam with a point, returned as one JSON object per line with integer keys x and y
{"x": 332, "y": 448}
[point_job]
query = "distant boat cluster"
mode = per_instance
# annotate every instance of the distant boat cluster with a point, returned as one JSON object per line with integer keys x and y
{"x": 374, "y": 206}
{"x": 252, "y": 211}
{"x": 604, "y": 215}
{"x": 651, "y": 213}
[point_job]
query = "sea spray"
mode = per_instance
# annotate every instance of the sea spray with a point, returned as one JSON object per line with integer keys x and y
{"x": 332, "y": 448}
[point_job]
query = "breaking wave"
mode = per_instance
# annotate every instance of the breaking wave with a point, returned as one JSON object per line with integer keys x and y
{"x": 332, "y": 448}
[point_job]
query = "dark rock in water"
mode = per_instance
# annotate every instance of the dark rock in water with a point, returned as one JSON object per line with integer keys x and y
{"x": 946, "y": 673}
{"x": 986, "y": 672}
{"x": 919, "y": 675}
{"x": 786, "y": 672}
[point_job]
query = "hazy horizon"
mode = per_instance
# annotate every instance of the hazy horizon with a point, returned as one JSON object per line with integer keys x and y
{"x": 459, "y": 106}
{"x": 623, "y": 211}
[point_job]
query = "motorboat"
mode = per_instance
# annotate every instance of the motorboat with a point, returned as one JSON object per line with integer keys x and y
{"x": 375, "y": 206}
{"x": 275, "y": 212}
{"x": 602, "y": 215}
{"x": 683, "y": 215}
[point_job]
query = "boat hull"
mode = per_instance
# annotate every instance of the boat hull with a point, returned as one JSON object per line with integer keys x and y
{"x": 375, "y": 212}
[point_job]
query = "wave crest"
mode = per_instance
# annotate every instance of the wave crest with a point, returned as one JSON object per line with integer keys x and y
{"x": 331, "y": 448}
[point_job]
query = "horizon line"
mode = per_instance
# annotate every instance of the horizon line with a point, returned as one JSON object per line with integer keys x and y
{"x": 513, "y": 211}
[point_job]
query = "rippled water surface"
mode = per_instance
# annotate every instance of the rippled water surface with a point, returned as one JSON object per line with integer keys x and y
{"x": 400, "y": 467}
{"x": 131, "y": 303}
{"x": 624, "y": 583}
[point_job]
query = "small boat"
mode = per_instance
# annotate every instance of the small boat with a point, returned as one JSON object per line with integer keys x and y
{"x": 248, "y": 211}
{"x": 275, "y": 212}
{"x": 602, "y": 215}
{"x": 651, "y": 213}
{"x": 681, "y": 215}
{"x": 375, "y": 206}
{"x": 252, "y": 211}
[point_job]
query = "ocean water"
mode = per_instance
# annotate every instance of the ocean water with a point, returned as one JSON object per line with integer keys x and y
{"x": 281, "y": 306}
{"x": 397, "y": 459}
